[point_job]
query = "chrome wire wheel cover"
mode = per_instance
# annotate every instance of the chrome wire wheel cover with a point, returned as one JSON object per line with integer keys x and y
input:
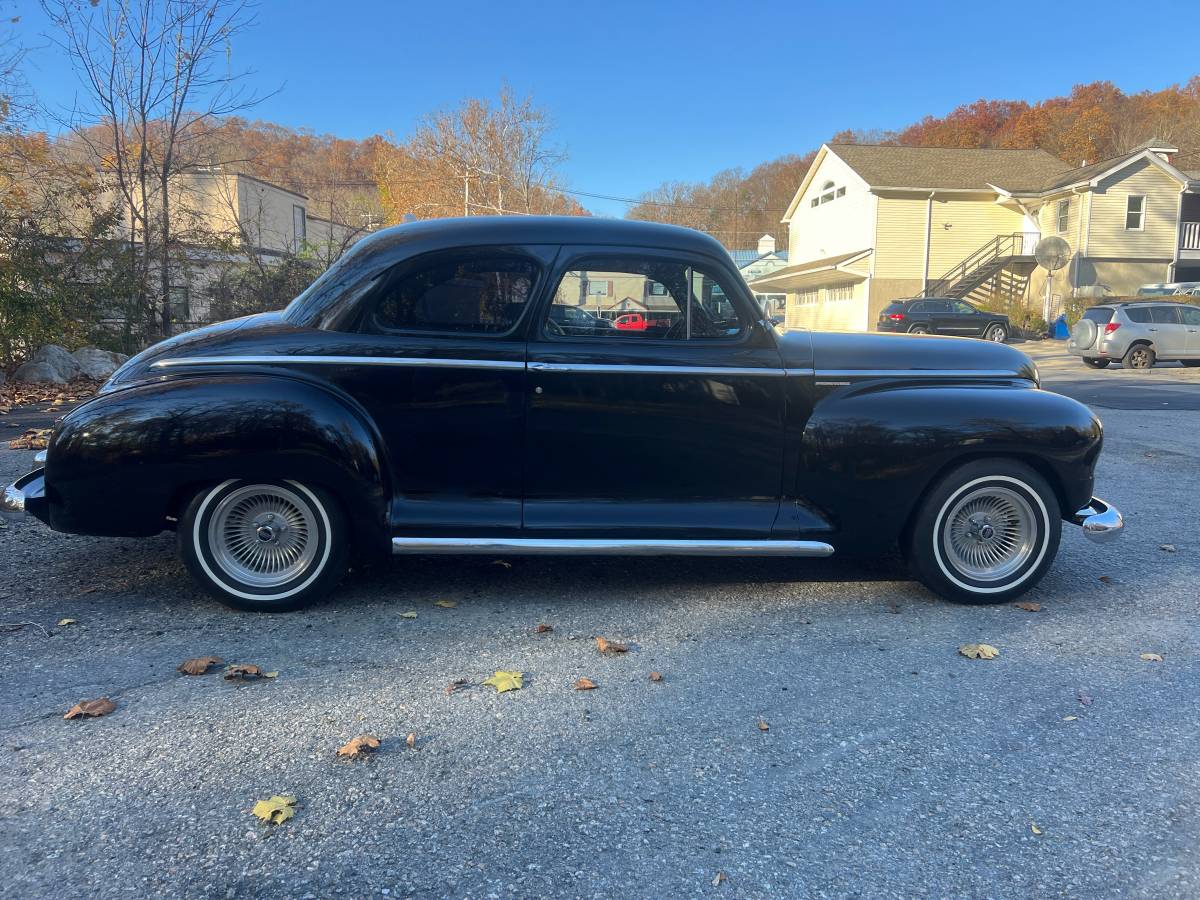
{"x": 989, "y": 534}
{"x": 263, "y": 535}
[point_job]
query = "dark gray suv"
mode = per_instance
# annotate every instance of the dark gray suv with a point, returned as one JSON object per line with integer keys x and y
{"x": 1138, "y": 334}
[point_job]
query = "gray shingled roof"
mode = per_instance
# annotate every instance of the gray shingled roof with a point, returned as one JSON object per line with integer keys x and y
{"x": 952, "y": 169}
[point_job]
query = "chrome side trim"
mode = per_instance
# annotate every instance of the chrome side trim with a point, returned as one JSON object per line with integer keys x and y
{"x": 270, "y": 360}
{"x": 918, "y": 373}
{"x": 1101, "y": 522}
{"x": 603, "y": 547}
{"x": 633, "y": 369}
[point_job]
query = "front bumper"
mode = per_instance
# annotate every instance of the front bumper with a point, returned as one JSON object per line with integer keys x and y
{"x": 25, "y": 496}
{"x": 1101, "y": 522}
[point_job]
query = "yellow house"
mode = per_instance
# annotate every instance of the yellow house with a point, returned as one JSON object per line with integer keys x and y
{"x": 871, "y": 223}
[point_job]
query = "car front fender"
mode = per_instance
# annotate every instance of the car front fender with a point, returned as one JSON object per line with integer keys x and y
{"x": 870, "y": 452}
{"x": 125, "y": 461}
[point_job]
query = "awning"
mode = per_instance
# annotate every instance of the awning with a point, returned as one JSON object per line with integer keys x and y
{"x": 845, "y": 268}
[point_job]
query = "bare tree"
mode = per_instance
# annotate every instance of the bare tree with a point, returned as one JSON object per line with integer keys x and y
{"x": 155, "y": 77}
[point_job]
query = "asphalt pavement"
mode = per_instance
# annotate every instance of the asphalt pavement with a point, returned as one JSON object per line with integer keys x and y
{"x": 885, "y": 764}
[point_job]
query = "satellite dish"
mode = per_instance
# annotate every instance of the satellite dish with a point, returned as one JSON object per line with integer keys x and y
{"x": 1052, "y": 253}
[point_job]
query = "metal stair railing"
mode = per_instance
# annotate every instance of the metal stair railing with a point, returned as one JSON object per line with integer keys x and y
{"x": 1000, "y": 249}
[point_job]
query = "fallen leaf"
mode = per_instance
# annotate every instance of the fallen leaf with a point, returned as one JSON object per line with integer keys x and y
{"x": 978, "y": 651}
{"x": 408, "y": 615}
{"x": 1033, "y": 827}
{"x": 276, "y": 810}
{"x": 411, "y": 740}
{"x": 1028, "y": 606}
{"x": 718, "y": 878}
{"x": 246, "y": 672}
{"x": 1106, "y": 579}
{"x": 502, "y": 562}
{"x": 763, "y": 726}
{"x": 1084, "y": 699}
{"x": 585, "y": 684}
{"x": 200, "y": 665}
{"x": 1170, "y": 548}
{"x": 90, "y": 709}
{"x": 358, "y": 747}
{"x": 63, "y": 623}
{"x": 606, "y": 646}
{"x": 455, "y": 685}
{"x": 1151, "y": 657}
{"x": 33, "y": 439}
{"x": 543, "y": 628}
{"x": 1070, "y": 718}
{"x": 445, "y": 604}
{"x": 505, "y": 681}
{"x": 656, "y": 676}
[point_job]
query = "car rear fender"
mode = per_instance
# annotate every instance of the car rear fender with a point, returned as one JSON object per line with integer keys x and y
{"x": 121, "y": 463}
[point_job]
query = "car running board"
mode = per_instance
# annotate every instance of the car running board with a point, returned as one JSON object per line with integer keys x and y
{"x": 605, "y": 547}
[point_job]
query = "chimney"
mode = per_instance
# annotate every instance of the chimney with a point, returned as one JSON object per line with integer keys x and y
{"x": 766, "y": 244}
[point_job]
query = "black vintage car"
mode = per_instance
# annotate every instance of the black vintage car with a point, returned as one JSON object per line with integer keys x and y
{"x": 943, "y": 315}
{"x": 420, "y": 398}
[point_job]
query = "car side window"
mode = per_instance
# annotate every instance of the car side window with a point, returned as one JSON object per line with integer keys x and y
{"x": 959, "y": 306}
{"x": 479, "y": 295}
{"x": 1191, "y": 315}
{"x": 918, "y": 307}
{"x": 630, "y": 298}
{"x": 1164, "y": 315}
{"x": 1138, "y": 314}
{"x": 937, "y": 306}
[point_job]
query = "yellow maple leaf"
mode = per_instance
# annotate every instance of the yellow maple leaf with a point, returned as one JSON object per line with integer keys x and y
{"x": 408, "y": 615}
{"x": 445, "y": 604}
{"x": 1034, "y": 828}
{"x": 506, "y": 681}
{"x": 978, "y": 651}
{"x": 63, "y": 623}
{"x": 276, "y": 810}
{"x": 1151, "y": 657}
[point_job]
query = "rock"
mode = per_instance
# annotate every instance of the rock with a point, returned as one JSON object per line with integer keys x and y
{"x": 97, "y": 363}
{"x": 51, "y": 364}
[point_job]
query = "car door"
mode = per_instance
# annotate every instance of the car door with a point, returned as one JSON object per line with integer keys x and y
{"x": 1191, "y": 325}
{"x": 437, "y": 360}
{"x": 1167, "y": 330}
{"x": 672, "y": 431}
{"x": 968, "y": 321}
{"x": 941, "y": 317}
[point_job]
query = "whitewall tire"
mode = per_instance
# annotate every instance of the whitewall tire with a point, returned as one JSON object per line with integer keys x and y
{"x": 266, "y": 546}
{"x": 985, "y": 533}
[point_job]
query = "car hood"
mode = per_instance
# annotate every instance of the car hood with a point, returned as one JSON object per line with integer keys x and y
{"x": 902, "y": 354}
{"x": 202, "y": 341}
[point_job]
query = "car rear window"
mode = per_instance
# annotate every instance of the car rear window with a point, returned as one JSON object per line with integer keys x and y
{"x": 894, "y": 307}
{"x": 1101, "y": 315}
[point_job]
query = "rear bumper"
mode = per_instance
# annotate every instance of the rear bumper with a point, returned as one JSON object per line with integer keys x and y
{"x": 1101, "y": 522}
{"x": 25, "y": 497}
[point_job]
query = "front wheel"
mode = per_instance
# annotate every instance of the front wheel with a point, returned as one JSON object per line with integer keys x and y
{"x": 267, "y": 546}
{"x": 996, "y": 333}
{"x": 985, "y": 533}
{"x": 1094, "y": 363}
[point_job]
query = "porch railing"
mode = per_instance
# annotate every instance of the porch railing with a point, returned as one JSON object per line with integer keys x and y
{"x": 1190, "y": 239}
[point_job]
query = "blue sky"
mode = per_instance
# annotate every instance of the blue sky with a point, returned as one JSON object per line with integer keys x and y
{"x": 645, "y": 92}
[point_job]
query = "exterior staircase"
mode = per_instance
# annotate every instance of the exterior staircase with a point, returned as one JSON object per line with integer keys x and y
{"x": 997, "y": 272}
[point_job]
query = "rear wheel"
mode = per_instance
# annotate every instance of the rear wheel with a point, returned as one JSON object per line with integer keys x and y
{"x": 1140, "y": 356}
{"x": 919, "y": 329}
{"x": 997, "y": 333}
{"x": 985, "y": 533}
{"x": 264, "y": 546}
{"x": 1096, "y": 363}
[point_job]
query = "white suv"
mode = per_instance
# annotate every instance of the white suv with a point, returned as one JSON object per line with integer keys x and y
{"x": 1137, "y": 334}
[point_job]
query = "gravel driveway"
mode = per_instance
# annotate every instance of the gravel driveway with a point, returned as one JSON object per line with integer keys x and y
{"x": 890, "y": 765}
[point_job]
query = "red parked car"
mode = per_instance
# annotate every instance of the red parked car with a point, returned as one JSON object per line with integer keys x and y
{"x": 631, "y": 322}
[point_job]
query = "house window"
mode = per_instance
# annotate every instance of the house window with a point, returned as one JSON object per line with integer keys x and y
{"x": 827, "y": 192}
{"x": 299, "y": 224}
{"x": 816, "y": 201}
{"x": 807, "y": 296}
{"x": 841, "y": 192}
{"x": 1135, "y": 212}
{"x": 841, "y": 292}
{"x": 178, "y": 302}
{"x": 1064, "y": 212}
